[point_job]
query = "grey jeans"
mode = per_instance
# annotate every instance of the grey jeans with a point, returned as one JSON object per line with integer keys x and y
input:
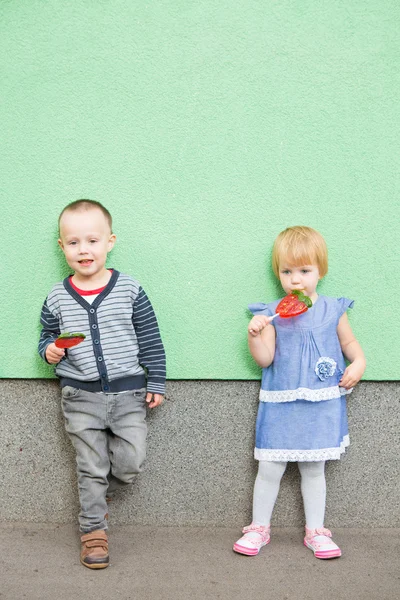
{"x": 108, "y": 432}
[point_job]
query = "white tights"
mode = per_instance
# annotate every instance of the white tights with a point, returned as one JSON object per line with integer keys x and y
{"x": 313, "y": 490}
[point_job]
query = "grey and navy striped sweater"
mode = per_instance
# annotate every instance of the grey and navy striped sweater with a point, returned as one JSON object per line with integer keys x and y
{"x": 122, "y": 342}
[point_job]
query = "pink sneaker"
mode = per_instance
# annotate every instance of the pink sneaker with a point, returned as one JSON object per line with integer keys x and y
{"x": 254, "y": 538}
{"x": 319, "y": 541}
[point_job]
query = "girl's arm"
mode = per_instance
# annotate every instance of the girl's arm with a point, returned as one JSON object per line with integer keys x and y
{"x": 261, "y": 339}
{"x": 352, "y": 351}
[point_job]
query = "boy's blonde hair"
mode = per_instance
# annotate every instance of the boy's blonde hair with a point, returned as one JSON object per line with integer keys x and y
{"x": 85, "y": 204}
{"x": 298, "y": 246}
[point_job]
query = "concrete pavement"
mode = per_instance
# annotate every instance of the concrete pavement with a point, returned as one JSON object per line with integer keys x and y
{"x": 41, "y": 562}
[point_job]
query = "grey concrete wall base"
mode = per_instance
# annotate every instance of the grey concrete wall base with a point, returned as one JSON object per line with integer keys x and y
{"x": 199, "y": 469}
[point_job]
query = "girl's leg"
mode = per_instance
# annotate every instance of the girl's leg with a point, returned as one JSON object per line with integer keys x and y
{"x": 266, "y": 490}
{"x": 313, "y": 490}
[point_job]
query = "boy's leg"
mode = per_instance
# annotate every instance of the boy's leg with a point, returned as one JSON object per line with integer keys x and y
{"x": 85, "y": 415}
{"x": 127, "y": 440}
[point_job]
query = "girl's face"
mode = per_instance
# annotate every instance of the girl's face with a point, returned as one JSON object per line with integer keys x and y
{"x": 303, "y": 277}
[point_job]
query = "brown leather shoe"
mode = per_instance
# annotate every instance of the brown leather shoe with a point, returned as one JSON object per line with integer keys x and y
{"x": 94, "y": 553}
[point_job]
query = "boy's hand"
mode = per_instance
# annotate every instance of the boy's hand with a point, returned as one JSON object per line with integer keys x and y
{"x": 352, "y": 374}
{"x": 154, "y": 400}
{"x": 54, "y": 354}
{"x": 257, "y": 324}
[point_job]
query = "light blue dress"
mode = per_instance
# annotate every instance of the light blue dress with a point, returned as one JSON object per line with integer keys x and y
{"x": 302, "y": 412}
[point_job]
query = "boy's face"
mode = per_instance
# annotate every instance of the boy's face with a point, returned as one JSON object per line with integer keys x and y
{"x": 86, "y": 239}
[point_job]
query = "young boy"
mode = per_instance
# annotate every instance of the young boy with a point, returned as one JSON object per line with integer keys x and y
{"x": 103, "y": 379}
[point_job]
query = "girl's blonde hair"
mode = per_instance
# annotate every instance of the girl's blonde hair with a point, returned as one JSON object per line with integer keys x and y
{"x": 300, "y": 246}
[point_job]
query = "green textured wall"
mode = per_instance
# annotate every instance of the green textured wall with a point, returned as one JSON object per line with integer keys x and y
{"x": 205, "y": 127}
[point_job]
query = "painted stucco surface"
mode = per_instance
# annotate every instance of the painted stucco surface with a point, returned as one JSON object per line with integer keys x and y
{"x": 205, "y": 128}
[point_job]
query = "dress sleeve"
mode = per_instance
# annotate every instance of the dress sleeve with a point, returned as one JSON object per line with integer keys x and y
{"x": 260, "y": 309}
{"x": 343, "y": 304}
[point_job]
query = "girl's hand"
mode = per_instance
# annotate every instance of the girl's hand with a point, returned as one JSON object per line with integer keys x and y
{"x": 54, "y": 354}
{"x": 154, "y": 400}
{"x": 352, "y": 374}
{"x": 257, "y": 324}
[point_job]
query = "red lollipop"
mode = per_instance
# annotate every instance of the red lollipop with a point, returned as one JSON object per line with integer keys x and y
{"x": 293, "y": 304}
{"x": 68, "y": 340}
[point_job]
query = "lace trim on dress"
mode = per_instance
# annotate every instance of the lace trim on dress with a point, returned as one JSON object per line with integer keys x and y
{"x": 329, "y": 393}
{"x": 302, "y": 455}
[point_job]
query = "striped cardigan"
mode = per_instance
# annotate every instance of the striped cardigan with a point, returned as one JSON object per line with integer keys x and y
{"x": 122, "y": 342}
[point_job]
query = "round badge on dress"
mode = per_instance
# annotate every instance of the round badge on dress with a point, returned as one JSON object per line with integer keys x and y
{"x": 325, "y": 367}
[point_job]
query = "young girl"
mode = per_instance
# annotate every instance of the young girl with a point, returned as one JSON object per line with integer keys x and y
{"x": 302, "y": 412}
